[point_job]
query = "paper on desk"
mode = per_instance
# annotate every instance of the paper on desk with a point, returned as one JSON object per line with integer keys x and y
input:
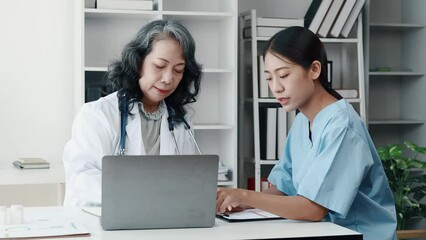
{"x": 46, "y": 228}
{"x": 249, "y": 214}
{"x": 96, "y": 211}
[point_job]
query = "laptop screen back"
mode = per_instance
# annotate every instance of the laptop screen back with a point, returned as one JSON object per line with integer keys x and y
{"x": 142, "y": 192}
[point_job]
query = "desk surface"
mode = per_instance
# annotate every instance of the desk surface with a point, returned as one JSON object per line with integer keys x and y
{"x": 284, "y": 229}
{"x": 10, "y": 175}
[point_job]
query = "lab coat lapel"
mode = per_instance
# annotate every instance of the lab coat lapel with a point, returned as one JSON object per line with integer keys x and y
{"x": 134, "y": 144}
{"x": 167, "y": 145}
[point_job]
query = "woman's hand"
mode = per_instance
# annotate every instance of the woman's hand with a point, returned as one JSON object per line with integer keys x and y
{"x": 229, "y": 199}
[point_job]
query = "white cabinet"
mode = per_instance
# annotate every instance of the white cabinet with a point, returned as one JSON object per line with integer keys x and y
{"x": 347, "y": 73}
{"x": 101, "y": 34}
{"x": 396, "y": 46}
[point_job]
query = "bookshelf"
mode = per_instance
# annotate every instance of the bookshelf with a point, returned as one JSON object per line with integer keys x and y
{"x": 396, "y": 77}
{"x": 102, "y": 33}
{"x": 348, "y": 73}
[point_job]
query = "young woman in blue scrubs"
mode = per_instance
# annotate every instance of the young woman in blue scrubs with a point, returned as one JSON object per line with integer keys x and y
{"x": 330, "y": 168}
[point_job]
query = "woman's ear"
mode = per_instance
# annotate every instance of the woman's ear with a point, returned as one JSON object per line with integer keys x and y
{"x": 315, "y": 70}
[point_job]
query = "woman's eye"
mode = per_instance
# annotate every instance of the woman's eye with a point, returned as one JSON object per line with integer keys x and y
{"x": 284, "y": 76}
{"x": 159, "y": 66}
{"x": 179, "y": 71}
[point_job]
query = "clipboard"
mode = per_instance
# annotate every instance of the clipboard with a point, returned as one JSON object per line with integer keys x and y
{"x": 253, "y": 214}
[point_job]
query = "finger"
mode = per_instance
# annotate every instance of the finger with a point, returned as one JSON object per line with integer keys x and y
{"x": 225, "y": 204}
{"x": 219, "y": 202}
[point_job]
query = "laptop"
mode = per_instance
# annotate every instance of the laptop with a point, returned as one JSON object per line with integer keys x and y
{"x": 163, "y": 191}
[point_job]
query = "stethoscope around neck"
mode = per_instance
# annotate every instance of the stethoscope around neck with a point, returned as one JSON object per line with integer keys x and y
{"x": 171, "y": 120}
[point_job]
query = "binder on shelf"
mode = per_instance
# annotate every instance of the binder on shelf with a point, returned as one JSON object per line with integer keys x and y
{"x": 282, "y": 131}
{"x": 125, "y": 4}
{"x": 330, "y": 17}
{"x": 268, "y": 132}
{"x": 271, "y": 134}
{"x": 341, "y": 19}
{"x": 352, "y": 18}
{"x": 330, "y": 73}
{"x": 316, "y": 13}
{"x": 261, "y": 79}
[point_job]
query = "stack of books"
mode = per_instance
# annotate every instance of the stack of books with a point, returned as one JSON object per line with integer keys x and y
{"x": 267, "y": 27}
{"x": 125, "y": 4}
{"x": 31, "y": 163}
{"x": 333, "y": 18}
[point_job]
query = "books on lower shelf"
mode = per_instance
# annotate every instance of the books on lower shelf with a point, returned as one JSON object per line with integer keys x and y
{"x": 274, "y": 123}
{"x": 31, "y": 163}
{"x": 125, "y": 4}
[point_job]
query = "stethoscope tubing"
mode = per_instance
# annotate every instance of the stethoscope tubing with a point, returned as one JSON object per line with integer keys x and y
{"x": 124, "y": 114}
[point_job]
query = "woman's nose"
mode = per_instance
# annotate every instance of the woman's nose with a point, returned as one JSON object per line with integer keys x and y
{"x": 275, "y": 86}
{"x": 167, "y": 77}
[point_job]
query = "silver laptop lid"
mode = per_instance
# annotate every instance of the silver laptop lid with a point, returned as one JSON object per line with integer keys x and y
{"x": 140, "y": 192}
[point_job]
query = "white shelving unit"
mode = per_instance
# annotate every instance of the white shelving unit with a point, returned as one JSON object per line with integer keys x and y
{"x": 101, "y": 34}
{"x": 348, "y": 73}
{"x": 395, "y": 45}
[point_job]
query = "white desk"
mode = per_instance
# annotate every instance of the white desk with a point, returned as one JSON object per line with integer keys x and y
{"x": 10, "y": 175}
{"x": 283, "y": 229}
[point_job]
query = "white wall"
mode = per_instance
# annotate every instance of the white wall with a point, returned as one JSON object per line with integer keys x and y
{"x": 36, "y": 76}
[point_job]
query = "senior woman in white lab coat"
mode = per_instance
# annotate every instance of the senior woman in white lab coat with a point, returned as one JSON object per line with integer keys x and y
{"x": 157, "y": 76}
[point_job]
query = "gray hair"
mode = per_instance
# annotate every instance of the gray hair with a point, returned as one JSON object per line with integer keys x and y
{"x": 125, "y": 74}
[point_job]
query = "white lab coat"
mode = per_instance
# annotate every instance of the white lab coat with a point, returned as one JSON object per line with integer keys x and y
{"x": 96, "y": 133}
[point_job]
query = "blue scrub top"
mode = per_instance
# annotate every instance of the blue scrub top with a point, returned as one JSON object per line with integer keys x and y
{"x": 340, "y": 170}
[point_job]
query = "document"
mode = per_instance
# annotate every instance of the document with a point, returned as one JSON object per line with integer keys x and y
{"x": 43, "y": 229}
{"x": 253, "y": 214}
